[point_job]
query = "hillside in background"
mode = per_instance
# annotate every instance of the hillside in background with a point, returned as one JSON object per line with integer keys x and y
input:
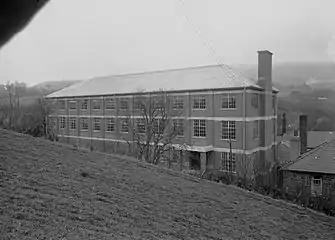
{"x": 56, "y": 192}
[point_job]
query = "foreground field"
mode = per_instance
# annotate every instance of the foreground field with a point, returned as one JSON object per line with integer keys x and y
{"x": 49, "y": 191}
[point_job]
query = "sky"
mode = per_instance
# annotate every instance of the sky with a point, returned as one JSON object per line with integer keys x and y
{"x": 81, "y": 39}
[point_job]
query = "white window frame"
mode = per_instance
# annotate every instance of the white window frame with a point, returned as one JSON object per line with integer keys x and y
{"x": 199, "y": 102}
{"x": 110, "y": 125}
{"x": 140, "y": 125}
{"x": 123, "y": 121}
{"x": 61, "y": 104}
{"x": 229, "y": 99}
{"x": 158, "y": 126}
{"x": 73, "y": 103}
{"x": 110, "y": 103}
{"x": 199, "y": 128}
{"x": 122, "y": 101}
{"x": 62, "y": 122}
{"x": 73, "y": 123}
{"x": 178, "y": 103}
{"x": 316, "y": 186}
{"x": 179, "y": 127}
{"x": 226, "y": 164}
{"x": 84, "y": 103}
{"x": 96, "y": 103}
{"x": 84, "y": 121}
{"x": 231, "y": 130}
{"x": 95, "y": 124}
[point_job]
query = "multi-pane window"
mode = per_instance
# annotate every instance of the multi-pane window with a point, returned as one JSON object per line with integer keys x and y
{"x": 84, "y": 124}
{"x": 84, "y": 104}
{"x": 125, "y": 125}
{"x": 199, "y": 102}
{"x": 255, "y": 100}
{"x": 110, "y": 103}
{"x": 73, "y": 105}
{"x": 228, "y": 162}
{"x": 53, "y": 123}
{"x": 140, "y": 125}
{"x": 61, "y": 104}
{"x": 158, "y": 126}
{"x": 110, "y": 125}
{"x": 178, "y": 102}
{"x": 96, "y": 104}
{"x": 96, "y": 124}
{"x": 62, "y": 122}
{"x": 228, "y": 101}
{"x": 199, "y": 128}
{"x": 73, "y": 123}
{"x": 179, "y": 126}
{"x": 138, "y": 105}
{"x": 159, "y": 102}
{"x": 316, "y": 186}
{"x": 124, "y": 103}
{"x": 228, "y": 130}
{"x": 256, "y": 129}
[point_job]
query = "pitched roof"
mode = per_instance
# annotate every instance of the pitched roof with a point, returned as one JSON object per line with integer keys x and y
{"x": 197, "y": 78}
{"x": 321, "y": 160}
{"x": 315, "y": 138}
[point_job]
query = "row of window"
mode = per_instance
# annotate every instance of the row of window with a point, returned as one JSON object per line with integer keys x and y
{"x": 199, "y": 126}
{"x": 199, "y": 102}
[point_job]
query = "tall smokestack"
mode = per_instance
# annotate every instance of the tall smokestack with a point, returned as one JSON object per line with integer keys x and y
{"x": 303, "y": 133}
{"x": 266, "y": 109}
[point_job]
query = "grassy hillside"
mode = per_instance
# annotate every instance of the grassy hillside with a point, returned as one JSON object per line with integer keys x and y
{"x": 48, "y": 191}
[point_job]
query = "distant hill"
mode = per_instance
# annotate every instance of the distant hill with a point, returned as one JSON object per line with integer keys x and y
{"x": 287, "y": 74}
{"x": 53, "y": 86}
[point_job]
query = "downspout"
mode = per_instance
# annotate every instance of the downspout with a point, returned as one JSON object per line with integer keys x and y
{"x": 244, "y": 124}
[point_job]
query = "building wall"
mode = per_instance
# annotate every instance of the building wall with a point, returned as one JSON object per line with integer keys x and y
{"x": 213, "y": 114}
{"x": 294, "y": 180}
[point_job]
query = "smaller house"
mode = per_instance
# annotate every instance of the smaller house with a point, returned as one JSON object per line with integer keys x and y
{"x": 313, "y": 170}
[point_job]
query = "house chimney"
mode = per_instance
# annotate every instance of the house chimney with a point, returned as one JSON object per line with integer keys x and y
{"x": 303, "y": 133}
{"x": 265, "y": 70}
{"x": 284, "y": 124}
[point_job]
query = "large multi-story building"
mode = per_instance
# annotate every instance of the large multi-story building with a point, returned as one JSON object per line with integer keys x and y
{"x": 220, "y": 113}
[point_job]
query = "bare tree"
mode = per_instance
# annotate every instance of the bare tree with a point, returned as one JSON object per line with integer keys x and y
{"x": 153, "y": 126}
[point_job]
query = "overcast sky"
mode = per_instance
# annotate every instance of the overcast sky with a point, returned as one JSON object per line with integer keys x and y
{"x": 80, "y": 39}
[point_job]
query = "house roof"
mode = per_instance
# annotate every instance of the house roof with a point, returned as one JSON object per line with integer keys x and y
{"x": 197, "y": 78}
{"x": 315, "y": 138}
{"x": 319, "y": 160}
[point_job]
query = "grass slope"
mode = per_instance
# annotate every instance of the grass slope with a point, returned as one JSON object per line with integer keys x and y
{"x": 44, "y": 195}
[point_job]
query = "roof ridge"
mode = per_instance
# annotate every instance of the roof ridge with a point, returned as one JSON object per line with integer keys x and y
{"x": 168, "y": 70}
{"x": 290, "y": 162}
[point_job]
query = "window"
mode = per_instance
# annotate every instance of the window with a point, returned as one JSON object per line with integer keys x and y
{"x": 84, "y": 104}
{"x": 316, "y": 186}
{"x": 158, "y": 126}
{"x": 256, "y": 129}
{"x": 199, "y": 102}
{"x": 159, "y": 102}
{"x": 179, "y": 126}
{"x": 110, "y": 125}
{"x": 96, "y": 124}
{"x": 61, "y": 104}
{"x": 84, "y": 124}
{"x": 228, "y": 130}
{"x": 73, "y": 123}
{"x": 138, "y": 105}
{"x": 72, "y": 105}
{"x": 62, "y": 122}
{"x": 228, "y": 162}
{"x": 274, "y": 105}
{"x": 255, "y": 100}
{"x": 96, "y": 105}
{"x": 199, "y": 128}
{"x": 53, "y": 123}
{"x": 110, "y": 103}
{"x": 124, "y": 125}
{"x": 124, "y": 103}
{"x": 178, "y": 102}
{"x": 228, "y": 101}
{"x": 140, "y": 125}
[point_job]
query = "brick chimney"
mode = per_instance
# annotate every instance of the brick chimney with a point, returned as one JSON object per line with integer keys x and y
{"x": 266, "y": 109}
{"x": 303, "y": 133}
{"x": 284, "y": 123}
